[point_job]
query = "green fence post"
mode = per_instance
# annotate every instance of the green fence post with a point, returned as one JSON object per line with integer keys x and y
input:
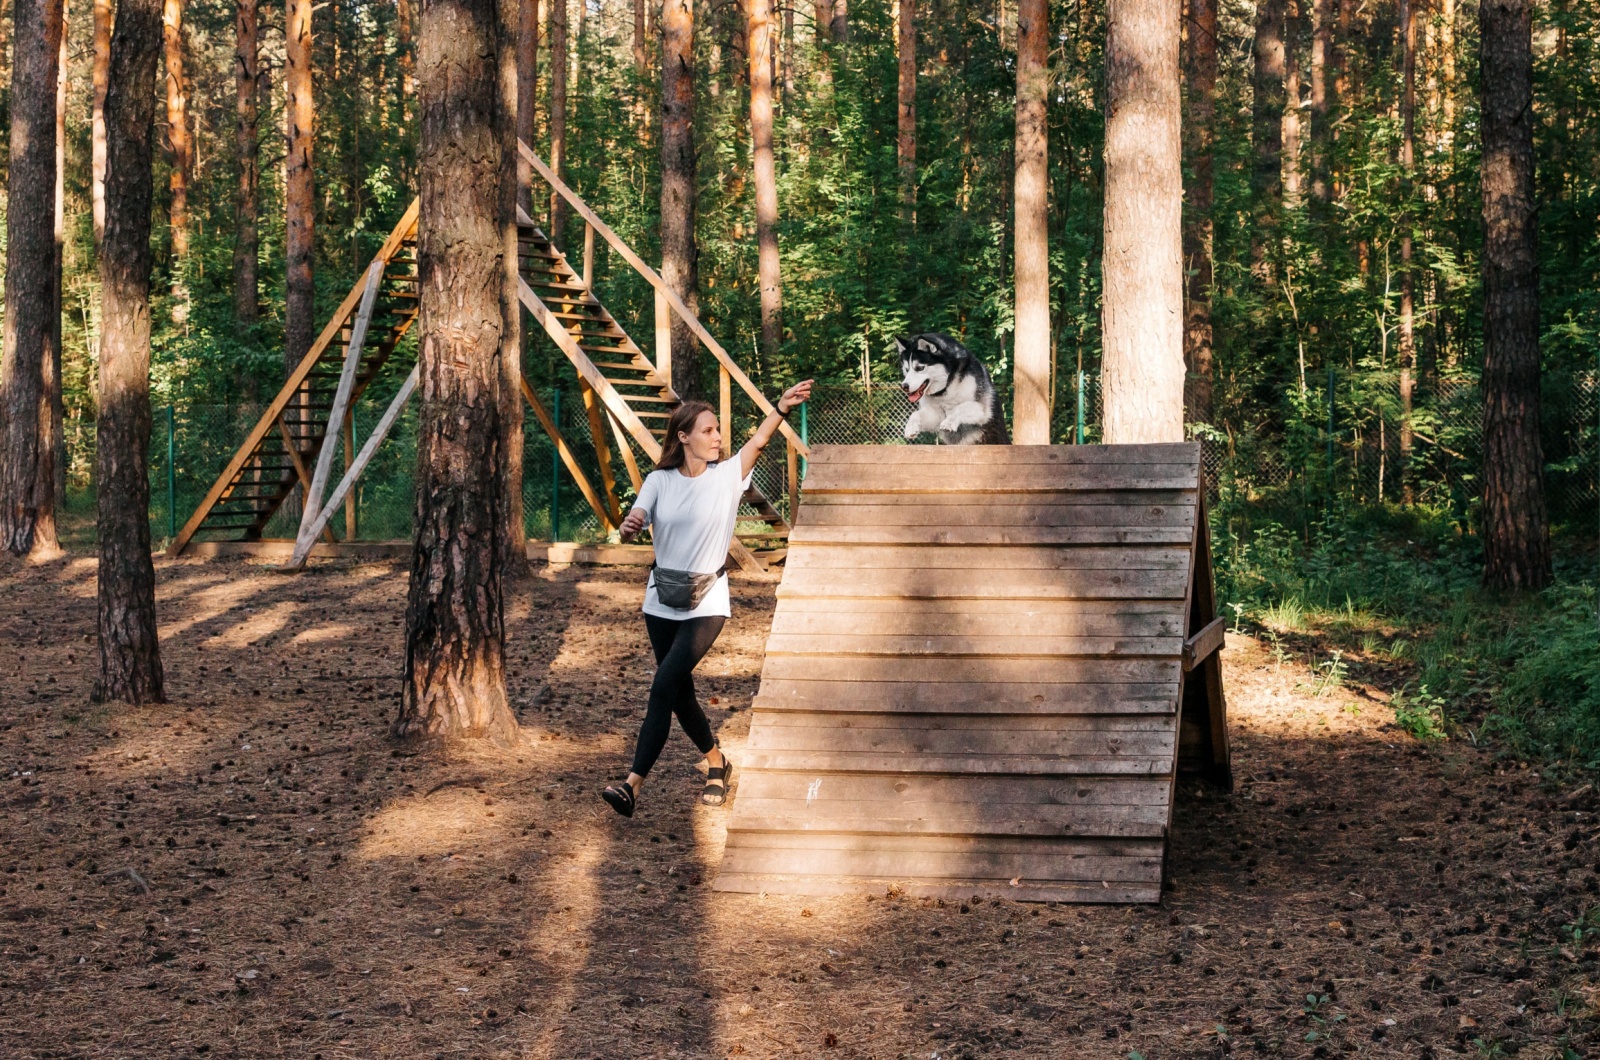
{"x": 1079, "y": 434}
{"x": 172, "y": 481}
{"x": 805, "y": 435}
{"x": 555, "y": 472}
{"x": 1330, "y": 428}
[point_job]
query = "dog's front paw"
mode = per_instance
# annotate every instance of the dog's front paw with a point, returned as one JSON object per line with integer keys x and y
{"x": 952, "y": 424}
{"x": 913, "y": 427}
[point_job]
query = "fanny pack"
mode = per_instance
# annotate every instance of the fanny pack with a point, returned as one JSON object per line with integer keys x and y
{"x": 682, "y": 590}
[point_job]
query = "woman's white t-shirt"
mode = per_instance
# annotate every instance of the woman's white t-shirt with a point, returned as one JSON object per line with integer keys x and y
{"x": 693, "y": 520}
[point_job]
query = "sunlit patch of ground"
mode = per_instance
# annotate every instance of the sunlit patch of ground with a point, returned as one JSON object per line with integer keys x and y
{"x": 254, "y": 870}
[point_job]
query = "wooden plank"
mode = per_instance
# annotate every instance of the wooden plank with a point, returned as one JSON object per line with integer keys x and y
{"x": 912, "y": 645}
{"x": 629, "y": 461}
{"x": 890, "y": 792}
{"x": 1202, "y": 645}
{"x": 995, "y": 670}
{"x": 990, "y": 535}
{"x": 404, "y": 230}
{"x": 1067, "y": 618}
{"x": 1010, "y": 456}
{"x": 1020, "y": 584}
{"x": 981, "y": 478}
{"x": 808, "y": 693}
{"x": 602, "y": 450}
{"x": 1034, "y": 558}
{"x": 1027, "y": 722}
{"x": 866, "y": 856}
{"x": 812, "y": 740}
{"x": 1001, "y": 502}
{"x": 951, "y": 890}
{"x": 854, "y": 818}
{"x": 1017, "y": 764}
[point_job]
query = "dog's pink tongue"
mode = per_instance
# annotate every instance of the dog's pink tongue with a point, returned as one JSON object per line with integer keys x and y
{"x": 916, "y": 395}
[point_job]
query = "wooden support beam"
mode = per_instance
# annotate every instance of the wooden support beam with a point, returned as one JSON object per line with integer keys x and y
{"x": 1200, "y": 647}
{"x": 381, "y": 431}
{"x": 792, "y": 466}
{"x": 628, "y": 459}
{"x": 349, "y": 457}
{"x": 565, "y": 452}
{"x": 588, "y": 256}
{"x": 725, "y": 402}
{"x": 301, "y": 473}
{"x": 663, "y": 340}
{"x": 341, "y": 405}
{"x": 602, "y": 449}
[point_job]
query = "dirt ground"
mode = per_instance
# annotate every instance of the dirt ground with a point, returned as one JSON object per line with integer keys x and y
{"x": 254, "y": 870}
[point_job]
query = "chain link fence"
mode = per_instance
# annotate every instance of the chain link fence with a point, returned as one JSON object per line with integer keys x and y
{"x": 1344, "y": 443}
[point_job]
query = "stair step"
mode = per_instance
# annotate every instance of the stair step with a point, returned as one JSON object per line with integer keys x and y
{"x": 646, "y": 367}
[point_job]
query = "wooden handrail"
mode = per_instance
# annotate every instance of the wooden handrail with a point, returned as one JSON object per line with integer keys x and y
{"x": 668, "y": 293}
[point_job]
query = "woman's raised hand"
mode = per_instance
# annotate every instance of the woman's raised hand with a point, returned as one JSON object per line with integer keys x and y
{"x": 632, "y": 523}
{"x": 794, "y": 396}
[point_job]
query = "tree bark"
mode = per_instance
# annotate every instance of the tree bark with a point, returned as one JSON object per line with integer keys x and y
{"x": 1198, "y": 225}
{"x": 406, "y": 41}
{"x": 906, "y": 143}
{"x": 766, "y": 176}
{"x": 641, "y": 54}
{"x": 1407, "y": 330}
{"x": 680, "y": 256}
{"x": 299, "y": 198}
{"x": 100, "y": 73}
{"x": 840, "y": 16}
{"x": 1291, "y": 108}
{"x": 1142, "y": 267}
{"x": 247, "y": 147}
{"x": 454, "y": 682}
{"x": 527, "y": 96}
{"x": 180, "y": 148}
{"x": 130, "y": 653}
{"x": 558, "y": 117}
{"x": 56, "y": 436}
{"x": 1516, "y": 532}
{"x": 1321, "y": 56}
{"x": 27, "y": 457}
{"x": 507, "y": 118}
{"x": 1030, "y": 416}
{"x": 1266, "y": 183}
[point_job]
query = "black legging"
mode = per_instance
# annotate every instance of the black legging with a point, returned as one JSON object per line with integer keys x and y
{"x": 679, "y": 647}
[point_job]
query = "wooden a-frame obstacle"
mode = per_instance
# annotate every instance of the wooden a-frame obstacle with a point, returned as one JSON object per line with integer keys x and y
{"x": 986, "y": 669}
{"x": 627, "y": 395}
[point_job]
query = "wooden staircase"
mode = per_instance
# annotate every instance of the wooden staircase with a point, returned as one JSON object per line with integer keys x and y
{"x": 627, "y": 396}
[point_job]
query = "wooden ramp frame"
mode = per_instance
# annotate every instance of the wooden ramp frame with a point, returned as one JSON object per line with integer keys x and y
{"x": 985, "y": 670}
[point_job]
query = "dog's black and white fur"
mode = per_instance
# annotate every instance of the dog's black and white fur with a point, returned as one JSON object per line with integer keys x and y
{"x": 951, "y": 391}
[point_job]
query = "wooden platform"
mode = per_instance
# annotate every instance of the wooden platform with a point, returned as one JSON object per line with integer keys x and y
{"x": 985, "y": 666}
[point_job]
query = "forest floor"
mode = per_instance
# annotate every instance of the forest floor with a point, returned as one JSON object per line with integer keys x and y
{"x": 255, "y": 871}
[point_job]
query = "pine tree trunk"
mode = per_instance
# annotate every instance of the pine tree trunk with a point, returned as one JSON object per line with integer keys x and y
{"x": 247, "y": 147}
{"x": 1516, "y": 532}
{"x": 527, "y": 95}
{"x": 454, "y": 683}
{"x": 100, "y": 73}
{"x": 906, "y": 143}
{"x": 27, "y": 457}
{"x": 1142, "y": 266}
{"x": 508, "y": 116}
{"x": 56, "y": 437}
{"x": 641, "y": 53}
{"x": 558, "y": 118}
{"x": 180, "y": 149}
{"x": 1321, "y": 55}
{"x": 1291, "y": 110}
{"x": 299, "y": 198}
{"x": 1266, "y": 184}
{"x": 766, "y": 175}
{"x": 841, "y": 21}
{"x": 1030, "y": 417}
{"x": 130, "y": 653}
{"x": 1407, "y": 330}
{"x": 1198, "y": 225}
{"x": 405, "y": 40}
{"x": 680, "y": 256}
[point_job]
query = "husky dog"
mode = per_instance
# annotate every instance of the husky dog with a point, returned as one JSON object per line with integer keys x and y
{"x": 951, "y": 391}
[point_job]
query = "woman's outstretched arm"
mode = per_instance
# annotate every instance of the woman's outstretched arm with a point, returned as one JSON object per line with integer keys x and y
{"x": 791, "y": 399}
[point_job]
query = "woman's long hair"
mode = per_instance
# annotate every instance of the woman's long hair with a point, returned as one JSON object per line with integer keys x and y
{"x": 681, "y": 421}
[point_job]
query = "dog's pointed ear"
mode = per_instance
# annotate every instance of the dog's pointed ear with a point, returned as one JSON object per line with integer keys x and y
{"x": 900, "y": 346}
{"x": 926, "y": 346}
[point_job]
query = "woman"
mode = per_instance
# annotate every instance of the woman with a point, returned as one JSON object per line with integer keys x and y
{"x": 692, "y": 501}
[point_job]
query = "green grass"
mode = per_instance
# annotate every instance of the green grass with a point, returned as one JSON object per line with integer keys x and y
{"x": 1394, "y": 598}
